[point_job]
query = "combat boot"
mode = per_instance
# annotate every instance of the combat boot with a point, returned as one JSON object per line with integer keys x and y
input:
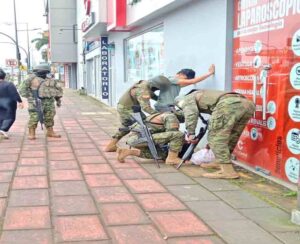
{"x": 227, "y": 172}
{"x": 111, "y": 146}
{"x": 124, "y": 152}
{"x": 51, "y": 133}
{"x": 31, "y": 134}
{"x": 173, "y": 158}
{"x": 212, "y": 165}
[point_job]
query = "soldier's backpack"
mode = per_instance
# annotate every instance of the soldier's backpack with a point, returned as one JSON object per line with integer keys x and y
{"x": 50, "y": 88}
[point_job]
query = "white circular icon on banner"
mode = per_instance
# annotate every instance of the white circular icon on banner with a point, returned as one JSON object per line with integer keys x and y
{"x": 293, "y": 141}
{"x": 271, "y": 107}
{"x": 258, "y": 46}
{"x": 296, "y": 43}
{"x": 263, "y": 76}
{"x": 295, "y": 76}
{"x": 257, "y": 61}
{"x": 292, "y": 169}
{"x": 294, "y": 108}
{"x": 254, "y": 134}
{"x": 271, "y": 123}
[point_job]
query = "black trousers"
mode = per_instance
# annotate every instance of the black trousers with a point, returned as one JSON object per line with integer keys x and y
{"x": 6, "y": 124}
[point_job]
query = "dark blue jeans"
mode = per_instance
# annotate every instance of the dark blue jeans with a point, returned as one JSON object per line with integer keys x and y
{"x": 6, "y": 124}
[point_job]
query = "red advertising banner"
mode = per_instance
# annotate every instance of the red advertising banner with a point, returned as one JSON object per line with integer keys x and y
{"x": 266, "y": 69}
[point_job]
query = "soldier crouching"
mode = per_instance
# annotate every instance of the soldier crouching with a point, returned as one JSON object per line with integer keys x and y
{"x": 38, "y": 89}
{"x": 165, "y": 131}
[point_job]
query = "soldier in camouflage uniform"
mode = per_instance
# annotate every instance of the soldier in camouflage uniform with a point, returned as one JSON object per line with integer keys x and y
{"x": 230, "y": 113}
{"x": 165, "y": 131}
{"x": 49, "y": 92}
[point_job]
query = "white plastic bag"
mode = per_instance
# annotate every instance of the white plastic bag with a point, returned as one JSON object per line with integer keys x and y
{"x": 205, "y": 155}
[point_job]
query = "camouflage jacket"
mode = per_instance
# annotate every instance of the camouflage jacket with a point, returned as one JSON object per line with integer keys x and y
{"x": 139, "y": 94}
{"x": 201, "y": 101}
{"x": 158, "y": 123}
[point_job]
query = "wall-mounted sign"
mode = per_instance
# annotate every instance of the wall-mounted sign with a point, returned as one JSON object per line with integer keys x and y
{"x": 88, "y": 22}
{"x": 87, "y": 6}
{"x": 11, "y": 62}
{"x": 104, "y": 67}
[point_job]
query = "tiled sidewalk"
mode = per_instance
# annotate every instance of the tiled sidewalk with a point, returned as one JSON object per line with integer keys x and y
{"x": 69, "y": 190}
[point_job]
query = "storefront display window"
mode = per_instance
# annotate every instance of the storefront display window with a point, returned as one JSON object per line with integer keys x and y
{"x": 144, "y": 57}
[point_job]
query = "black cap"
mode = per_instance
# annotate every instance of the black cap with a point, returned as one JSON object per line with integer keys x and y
{"x": 2, "y": 74}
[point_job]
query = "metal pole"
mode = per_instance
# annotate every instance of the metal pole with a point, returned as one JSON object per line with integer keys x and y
{"x": 17, "y": 42}
{"x": 28, "y": 48}
{"x": 296, "y": 212}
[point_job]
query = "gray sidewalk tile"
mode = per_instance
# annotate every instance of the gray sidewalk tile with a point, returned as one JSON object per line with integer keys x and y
{"x": 242, "y": 232}
{"x": 192, "y": 193}
{"x": 288, "y": 237}
{"x": 241, "y": 199}
{"x": 217, "y": 184}
{"x": 214, "y": 210}
{"x": 174, "y": 179}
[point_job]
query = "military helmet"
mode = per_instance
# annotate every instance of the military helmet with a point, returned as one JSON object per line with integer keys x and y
{"x": 159, "y": 82}
{"x": 41, "y": 70}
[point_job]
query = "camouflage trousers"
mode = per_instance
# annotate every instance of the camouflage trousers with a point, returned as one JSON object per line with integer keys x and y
{"x": 174, "y": 139}
{"x": 125, "y": 119}
{"x": 226, "y": 125}
{"x": 48, "y": 109}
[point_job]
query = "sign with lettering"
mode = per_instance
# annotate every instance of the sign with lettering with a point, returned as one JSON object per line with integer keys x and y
{"x": 11, "y": 62}
{"x": 104, "y": 67}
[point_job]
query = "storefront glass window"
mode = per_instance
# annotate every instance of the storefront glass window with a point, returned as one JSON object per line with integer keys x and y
{"x": 144, "y": 55}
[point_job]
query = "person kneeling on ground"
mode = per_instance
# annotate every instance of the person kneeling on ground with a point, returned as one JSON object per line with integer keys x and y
{"x": 230, "y": 113}
{"x": 165, "y": 131}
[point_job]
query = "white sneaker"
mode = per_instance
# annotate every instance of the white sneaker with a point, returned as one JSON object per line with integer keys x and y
{"x": 5, "y": 135}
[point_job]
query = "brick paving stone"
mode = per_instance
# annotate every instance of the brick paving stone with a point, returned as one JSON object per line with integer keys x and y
{"x": 54, "y": 149}
{"x": 79, "y": 228}
{"x": 33, "y": 154}
{"x": 214, "y": 210}
{"x": 103, "y": 180}
{"x": 217, "y": 184}
{"x": 2, "y": 206}
{"x": 144, "y": 186}
{"x": 128, "y": 164}
{"x": 96, "y": 169}
{"x": 242, "y": 231}
{"x": 10, "y": 150}
{"x": 32, "y": 170}
{"x": 91, "y": 160}
{"x": 6, "y": 176}
{"x": 32, "y": 161}
{"x": 9, "y": 158}
{"x": 136, "y": 234}
{"x": 62, "y": 175}
{"x": 115, "y": 194}
{"x": 73, "y": 205}
{"x": 83, "y": 146}
{"x": 241, "y": 199}
{"x": 192, "y": 193}
{"x": 174, "y": 179}
{"x": 87, "y": 152}
{"x": 26, "y": 237}
{"x": 196, "y": 240}
{"x": 30, "y": 182}
{"x": 69, "y": 188}
{"x": 81, "y": 140}
{"x": 27, "y": 218}
{"x": 4, "y": 189}
{"x": 133, "y": 173}
{"x": 123, "y": 214}
{"x": 7, "y": 166}
{"x": 61, "y": 156}
{"x": 35, "y": 197}
{"x": 58, "y": 165}
{"x": 159, "y": 202}
{"x": 179, "y": 223}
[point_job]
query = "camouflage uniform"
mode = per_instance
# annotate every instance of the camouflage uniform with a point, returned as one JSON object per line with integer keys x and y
{"x": 229, "y": 116}
{"x": 164, "y": 132}
{"x": 49, "y": 92}
{"x": 139, "y": 94}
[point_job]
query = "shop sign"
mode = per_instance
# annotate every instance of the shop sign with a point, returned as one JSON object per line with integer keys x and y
{"x": 88, "y": 22}
{"x": 104, "y": 67}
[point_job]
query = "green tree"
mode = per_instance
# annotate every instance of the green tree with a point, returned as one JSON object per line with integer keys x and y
{"x": 40, "y": 42}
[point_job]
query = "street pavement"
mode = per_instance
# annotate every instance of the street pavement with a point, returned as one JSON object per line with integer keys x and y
{"x": 68, "y": 190}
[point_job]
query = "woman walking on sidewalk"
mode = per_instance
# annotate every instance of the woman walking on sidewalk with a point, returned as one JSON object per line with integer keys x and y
{"x": 9, "y": 97}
